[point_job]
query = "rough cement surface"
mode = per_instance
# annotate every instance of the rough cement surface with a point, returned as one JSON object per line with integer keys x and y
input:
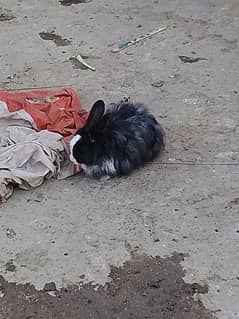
{"x": 64, "y": 231}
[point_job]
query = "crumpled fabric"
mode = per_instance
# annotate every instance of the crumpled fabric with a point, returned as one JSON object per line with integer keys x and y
{"x": 55, "y": 111}
{"x": 35, "y": 128}
{"x": 29, "y": 159}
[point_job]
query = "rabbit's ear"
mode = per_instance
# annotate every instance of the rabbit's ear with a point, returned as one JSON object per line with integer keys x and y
{"x": 96, "y": 113}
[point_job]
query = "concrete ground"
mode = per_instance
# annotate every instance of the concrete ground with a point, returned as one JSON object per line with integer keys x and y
{"x": 73, "y": 231}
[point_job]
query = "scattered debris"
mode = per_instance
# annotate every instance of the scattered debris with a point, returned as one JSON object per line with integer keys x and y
{"x": 38, "y": 199}
{"x": 9, "y": 266}
{"x": 50, "y": 286}
{"x": 129, "y": 53}
{"x": 92, "y": 239}
{"x": 57, "y": 39}
{"x": 10, "y": 233}
{"x": 68, "y": 3}
{"x": 32, "y": 299}
{"x": 158, "y": 84}
{"x": 227, "y": 156}
{"x": 76, "y": 64}
{"x": 232, "y": 203}
{"x": 175, "y": 76}
{"x": 12, "y": 77}
{"x": 27, "y": 69}
{"x": 80, "y": 59}
{"x": 125, "y": 45}
{"x": 5, "y": 15}
{"x": 187, "y": 59}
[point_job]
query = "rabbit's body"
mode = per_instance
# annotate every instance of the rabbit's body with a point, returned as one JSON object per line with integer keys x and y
{"x": 115, "y": 142}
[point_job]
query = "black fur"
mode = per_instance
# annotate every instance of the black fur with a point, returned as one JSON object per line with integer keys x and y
{"x": 126, "y": 134}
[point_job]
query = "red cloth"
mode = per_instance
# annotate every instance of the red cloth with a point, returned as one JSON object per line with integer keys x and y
{"x": 56, "y": 111}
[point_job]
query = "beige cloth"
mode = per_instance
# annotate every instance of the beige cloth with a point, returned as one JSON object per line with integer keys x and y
{"x": 28, "y": 157}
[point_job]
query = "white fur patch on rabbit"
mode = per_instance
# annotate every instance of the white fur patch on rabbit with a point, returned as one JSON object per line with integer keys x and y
{"x": 107, "y": 167}
{"x": 73, "y": 141}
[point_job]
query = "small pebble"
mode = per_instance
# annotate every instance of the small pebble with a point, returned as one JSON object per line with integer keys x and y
{"x": 50, "y": 286}
{"x": 9, "y": 266}
{"x": 111, "y": 44}
{"x": 158, "y": 84}
{"x": 10, "y": 233}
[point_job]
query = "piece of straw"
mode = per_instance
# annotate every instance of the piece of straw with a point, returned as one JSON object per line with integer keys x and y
{"x": 82, "y": 61}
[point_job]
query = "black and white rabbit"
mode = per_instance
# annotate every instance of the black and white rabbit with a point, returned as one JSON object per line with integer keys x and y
{"x": 117, "y": 140}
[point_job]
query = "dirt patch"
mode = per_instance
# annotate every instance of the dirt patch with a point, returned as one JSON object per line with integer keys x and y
{"x": 57, "y": 39}
{"x": 70, "y": 2}
{"x": 144, "y": 287}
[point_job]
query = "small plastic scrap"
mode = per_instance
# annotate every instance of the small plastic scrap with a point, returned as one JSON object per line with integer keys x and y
{"x": 125, "y": 45}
